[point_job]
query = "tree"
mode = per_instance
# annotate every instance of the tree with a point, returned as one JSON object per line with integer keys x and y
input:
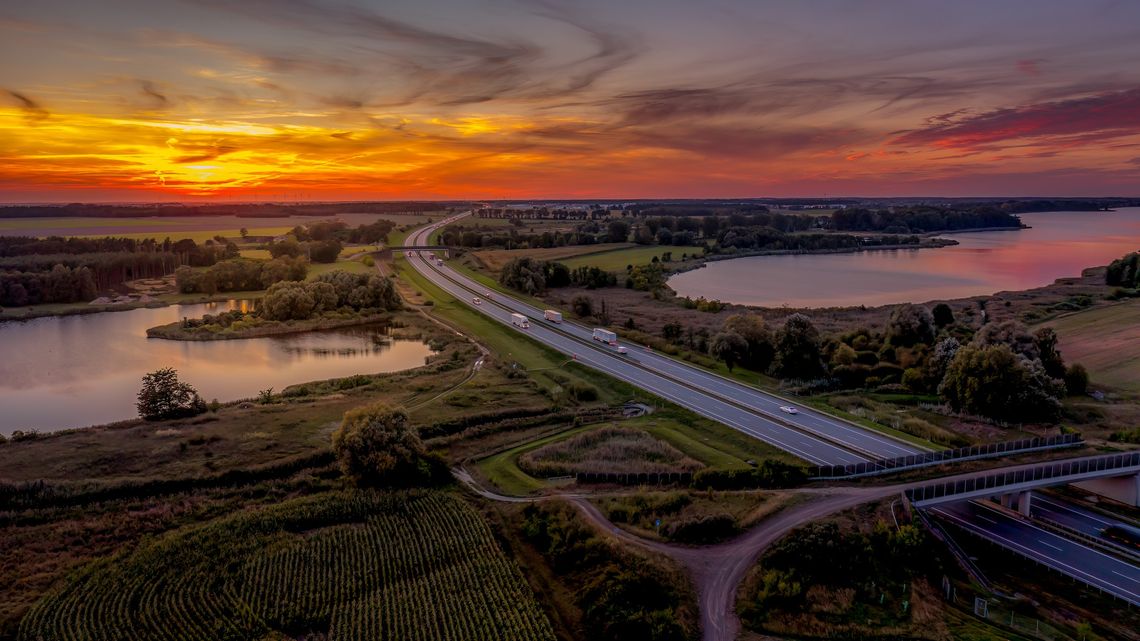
{"x": 324, "y": 251}
{"x": 287, "y": 247}
{"x": 1045, "y": 339}
{"x": 163, "y": 396}
{"x": 244, "y": 233}
{"x": 287, "y": 300}
{"x": 754, "y": 331}
{"x": 910, "y": 324}
{"x": 525, "y": 274}
{"x": 729, "y": 347}
{"x": 582, "y": 306}
{"x": 943, "y": 315}
{"x": 798, "y": 349}
{"x": 375, "y": 445}
{"x": 1011, "y": 333}
{"x": 1124, "y": 272}
{"x": 618, "y": 231}
{"x": 1076, "y": 380}
{"x": 844, "y": 355}
{"x": 994, "y": 381}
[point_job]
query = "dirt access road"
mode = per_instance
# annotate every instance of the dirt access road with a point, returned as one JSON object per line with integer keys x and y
{"x": 716, "y": 570}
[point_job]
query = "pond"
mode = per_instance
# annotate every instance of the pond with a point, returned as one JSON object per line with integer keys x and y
{"x": 74, "y": 371}
{"x": 1058, "y": 245}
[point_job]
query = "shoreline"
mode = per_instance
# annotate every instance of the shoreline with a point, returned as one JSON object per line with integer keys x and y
{"x": 935, "y": 243}
{"x": 175, "y": 332}
{"x": 9, "y": 314}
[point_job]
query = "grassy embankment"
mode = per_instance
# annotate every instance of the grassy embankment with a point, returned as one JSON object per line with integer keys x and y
{"x": 1106, "y": 340}
{"x": 712, "y": 443}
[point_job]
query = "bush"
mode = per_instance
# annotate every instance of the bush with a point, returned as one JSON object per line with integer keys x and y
{"x": 375, "y": 445}
{"x": 163, "y": 396}
{"x": 701, "y": 529}
{"x": 1076, "y": 380}
{"x": 769, "y": 474}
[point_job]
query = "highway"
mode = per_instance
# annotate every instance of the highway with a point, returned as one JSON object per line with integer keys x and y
{"x": 1113, "y": 575}
{"x": 813, "y": 436}
{"x": 1071, "y": 515}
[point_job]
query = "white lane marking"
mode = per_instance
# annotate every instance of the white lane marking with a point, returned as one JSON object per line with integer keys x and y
{"x": 1130, "y": 578}
{"x": 1067, "y": 508}
{"x": 1049, "y": 544}
{"x": 986, "y": 518}
{"x": 715, "y": 380}
{"x": 452, "y": 287}
{"x": 464, "y": 283}
{"x": 1030, "y": 552}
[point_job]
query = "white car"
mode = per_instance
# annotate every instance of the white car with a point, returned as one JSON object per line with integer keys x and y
{"x": 788, "y": 409}
{"x": 477, "y": 301}
{"x": 622, "y": 349}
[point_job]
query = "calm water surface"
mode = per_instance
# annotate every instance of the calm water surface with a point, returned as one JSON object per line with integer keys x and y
{"x": 74, "y": 371}
{"x": 1060, "y": 244}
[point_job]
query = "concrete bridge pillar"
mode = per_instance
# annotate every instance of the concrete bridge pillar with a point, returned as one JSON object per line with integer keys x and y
{"x": 1023, "y": 501}
{"x": 1007, "y": 501}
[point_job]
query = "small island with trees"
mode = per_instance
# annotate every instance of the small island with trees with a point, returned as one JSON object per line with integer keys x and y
{"x": 335, "y": 299}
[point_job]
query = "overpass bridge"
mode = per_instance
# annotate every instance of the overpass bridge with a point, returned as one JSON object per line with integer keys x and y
{"x": 416, "y": 248}
{"x": 1014, "y": 487}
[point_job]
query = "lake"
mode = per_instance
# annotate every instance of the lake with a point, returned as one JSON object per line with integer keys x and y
{"x": 1058, "y": 245}
{"x": 74, "y": 371}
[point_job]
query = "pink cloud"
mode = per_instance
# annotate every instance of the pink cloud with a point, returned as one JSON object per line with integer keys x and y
{"x": 1084, "y": 120}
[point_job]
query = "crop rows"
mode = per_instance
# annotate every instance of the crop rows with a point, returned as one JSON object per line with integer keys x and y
{"x": 361, "y": 566}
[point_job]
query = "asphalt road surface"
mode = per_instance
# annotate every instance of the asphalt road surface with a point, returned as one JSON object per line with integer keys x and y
{"x": 1073, "y": 516}
{"x": 810, "y": 435}
{"x": 1113, "y": 575}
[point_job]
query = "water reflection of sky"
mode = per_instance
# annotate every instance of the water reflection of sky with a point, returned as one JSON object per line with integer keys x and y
{"x": 84, "y": 370}
{"x": 1059, "y": 245}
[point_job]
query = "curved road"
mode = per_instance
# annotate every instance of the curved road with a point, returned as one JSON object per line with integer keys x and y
{"x": 810, "y": 435}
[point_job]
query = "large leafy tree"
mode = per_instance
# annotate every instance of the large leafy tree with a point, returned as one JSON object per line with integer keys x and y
{"x": 376, "y": 445}
{"x": 995, "y": 381}
{"x": 729, "y": 347}
{"x": 910, "y": 324}
{"x": 798, "y": 349}
{"x": 755, "y": 333}
{"x": 163, "y": 396}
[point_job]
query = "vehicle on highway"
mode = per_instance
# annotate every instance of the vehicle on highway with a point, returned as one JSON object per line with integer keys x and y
{"x": 520, "y": 321}
{"x": 477, "y": 301}
{"x": 439, "y": 262}
{"x": 622, "y": 349}
{"x": 788, "y": 409}
{"x": 605, "y": 335}
{"x": 552, "y": 316}
{"x": 1124, "y": 534}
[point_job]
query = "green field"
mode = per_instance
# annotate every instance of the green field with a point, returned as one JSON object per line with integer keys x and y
{"x": 494, "y": 259}
{"x": 1106, "y": 340}
{"x": 351, "y": 266}
{"x": 356, "y": 565}
{"x": 617, "y": 260}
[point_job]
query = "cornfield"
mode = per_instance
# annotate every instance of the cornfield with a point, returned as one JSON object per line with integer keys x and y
{"x": 346, "y": 566}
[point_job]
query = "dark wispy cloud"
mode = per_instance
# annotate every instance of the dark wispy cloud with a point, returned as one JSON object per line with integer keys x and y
{"x": 157, "y": 99}
{"x": 1081, "y": 120}
{"x": 433, "y": 66}
{"x": 33, "y": 111}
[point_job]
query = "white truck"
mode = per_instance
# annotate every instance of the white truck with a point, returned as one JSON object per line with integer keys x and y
{"x": 605, "y": 335}
{"x": 552, "y": 316}
{"x": 439, "y": 262}
{"x": 520, "y": 321}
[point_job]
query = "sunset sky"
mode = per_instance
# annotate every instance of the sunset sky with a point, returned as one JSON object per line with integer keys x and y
{"x": 207, "y": 100}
